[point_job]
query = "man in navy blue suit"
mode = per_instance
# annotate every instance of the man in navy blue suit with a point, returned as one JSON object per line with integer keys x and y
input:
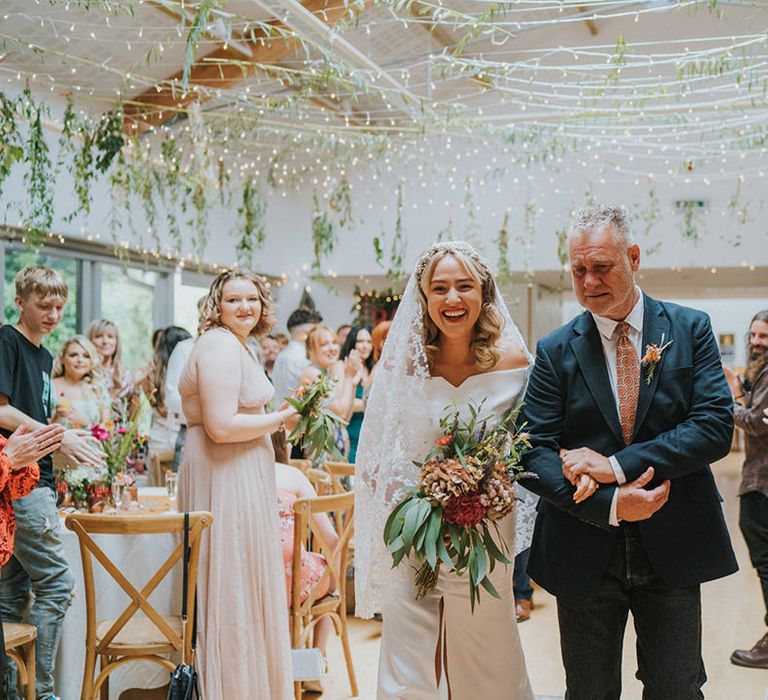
{"x": 627, "y": 406}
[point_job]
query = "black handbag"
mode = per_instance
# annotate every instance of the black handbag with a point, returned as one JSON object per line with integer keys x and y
{"x": 183, "y": 685}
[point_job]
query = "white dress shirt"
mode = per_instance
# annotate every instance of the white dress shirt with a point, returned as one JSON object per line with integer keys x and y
{"x": 607, "y": 327}
{"x": 176, "y": 364}
{"x": 289, "y": 365}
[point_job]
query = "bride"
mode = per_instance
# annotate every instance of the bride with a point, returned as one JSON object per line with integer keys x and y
{"x": 452, "y": 342}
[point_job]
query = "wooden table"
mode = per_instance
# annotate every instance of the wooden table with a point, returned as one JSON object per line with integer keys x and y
{"x": 139, "y": 556}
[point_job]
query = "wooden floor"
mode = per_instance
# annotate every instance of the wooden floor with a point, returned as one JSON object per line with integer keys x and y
{"x": 732, "y": 617}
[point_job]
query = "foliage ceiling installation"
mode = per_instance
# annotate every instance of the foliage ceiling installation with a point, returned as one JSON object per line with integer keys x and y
{"x": 181, "y": 103}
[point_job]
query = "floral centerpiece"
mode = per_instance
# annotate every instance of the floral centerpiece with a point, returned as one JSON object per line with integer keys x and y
{"x": 317, "y": 427}
{"x": 90, "y": 487}
{"x": 122, "y": 443}
{"x": 466, "y": 484}
{"x": 86, "y": 485}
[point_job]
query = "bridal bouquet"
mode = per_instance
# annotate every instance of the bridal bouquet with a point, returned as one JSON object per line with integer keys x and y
{"x": 465, "y": 486}
{"x": 317, "y": 427}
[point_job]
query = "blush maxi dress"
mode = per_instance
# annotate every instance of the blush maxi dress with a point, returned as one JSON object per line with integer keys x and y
{"x": 243, "y": 641}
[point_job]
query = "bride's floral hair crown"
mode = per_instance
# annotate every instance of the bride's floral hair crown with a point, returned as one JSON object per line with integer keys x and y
{"x": 461, "y": 247}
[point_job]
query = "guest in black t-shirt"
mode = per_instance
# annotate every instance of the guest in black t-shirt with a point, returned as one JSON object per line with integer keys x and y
{"x": 38, "y": 564}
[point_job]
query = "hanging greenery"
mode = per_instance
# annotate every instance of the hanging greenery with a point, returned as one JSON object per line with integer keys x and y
{"x": 196, "y": 31}
{"x": 645, "y": 215}
{"x": 324, "y": 235}
{"x": 340, "y": 202}
{"x": 11, "y": 149}
{"x": 109, "y": 138}
{"x": 502, "y": 245}
{"x": 253, "y": 228}
{"x": 529, "y": 233}
{"x": 737, "y": 205}
{"x": 472, "y": 229}
{"x": 691, "y": 220}
{"x": 396, "y": 268}
{"x": 171, "y": 155}
{"x": 37, "y": 216}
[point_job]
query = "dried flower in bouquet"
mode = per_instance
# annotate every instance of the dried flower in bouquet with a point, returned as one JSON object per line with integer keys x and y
{"x": 466, "y": 484}
{"x": 317, "y": 426}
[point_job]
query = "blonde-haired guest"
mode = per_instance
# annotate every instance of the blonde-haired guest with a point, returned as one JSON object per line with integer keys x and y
{"x": 118, "y": 378}
{"x": 228, "y": 468}
{"x": 323, "y": 354}
{"x": 79, "y": 398}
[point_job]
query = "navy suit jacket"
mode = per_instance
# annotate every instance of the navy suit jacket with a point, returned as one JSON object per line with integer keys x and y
{"x": 684, "y": 422}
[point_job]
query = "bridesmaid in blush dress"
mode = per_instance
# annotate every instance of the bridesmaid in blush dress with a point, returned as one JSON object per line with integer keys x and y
{"x": 229, "y": 470}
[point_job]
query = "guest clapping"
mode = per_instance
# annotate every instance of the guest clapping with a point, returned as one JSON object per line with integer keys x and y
{"x": 293, "y": 359}
{"x": 19, "y": 474}
{"x": 358, "y": 341}
{"x": 323, "y": 355}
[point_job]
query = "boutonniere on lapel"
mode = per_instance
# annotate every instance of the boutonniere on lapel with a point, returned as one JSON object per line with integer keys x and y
{"x": 652, "y": 358}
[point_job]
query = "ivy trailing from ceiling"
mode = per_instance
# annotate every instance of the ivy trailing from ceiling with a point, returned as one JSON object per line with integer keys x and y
{"x": 396, "y": 268}
{"x": 526, "y": 239}
{"x": 561, "y": 235}
{"x": 324, "y": 237}
{"x": 645, "y": 215}
{"x": 37, "y": 216}
{"x": 737, "y": 205}
{"x": 472, "y": 229}
{"x": 502, "y": 245}
{"x": 196, "y": 30}
{"x": 690, "y": 221}
{"x": 253, "y": 227}
{"x": 11, "y": 147}
{"x": 171, "y": 156}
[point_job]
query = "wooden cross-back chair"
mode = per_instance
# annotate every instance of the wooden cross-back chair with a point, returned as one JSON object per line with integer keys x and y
{"x": 159, "y": 462}
{"x": 20, "y": 647}
{"x": 304, "y": 616}
{"x": 302, "y": 464}
{"x": 321, "y": 481}
{"x": 131, "y": 636}
{"x": 338, "y": 471}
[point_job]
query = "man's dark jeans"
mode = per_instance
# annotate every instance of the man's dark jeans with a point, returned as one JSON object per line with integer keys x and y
{"x": 667, "y": 623}
{"x": 521, "y": 582}
{"x": 753, "y": 521}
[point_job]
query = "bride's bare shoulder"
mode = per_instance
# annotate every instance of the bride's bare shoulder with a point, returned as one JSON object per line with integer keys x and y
{"x": 511, "y": 356}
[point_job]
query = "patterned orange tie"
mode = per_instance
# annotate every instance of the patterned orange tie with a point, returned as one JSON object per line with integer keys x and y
{"x": 627, "y": 380}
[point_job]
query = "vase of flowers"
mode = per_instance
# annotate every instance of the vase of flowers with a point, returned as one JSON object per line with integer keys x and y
{"x": 123, "y": 446}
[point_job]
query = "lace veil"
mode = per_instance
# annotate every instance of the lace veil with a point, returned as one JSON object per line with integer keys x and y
{"x": 389, "y": 440}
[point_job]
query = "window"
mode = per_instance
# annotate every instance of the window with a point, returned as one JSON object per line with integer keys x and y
{"x": 127, "y": 299}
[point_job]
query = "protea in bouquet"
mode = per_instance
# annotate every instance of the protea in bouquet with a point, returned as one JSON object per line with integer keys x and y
{"x": 317, "y": 427}
{"x": 466, "y": 485}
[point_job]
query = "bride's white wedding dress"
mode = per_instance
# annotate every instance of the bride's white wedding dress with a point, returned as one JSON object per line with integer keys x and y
{"x": 436, "y": 647}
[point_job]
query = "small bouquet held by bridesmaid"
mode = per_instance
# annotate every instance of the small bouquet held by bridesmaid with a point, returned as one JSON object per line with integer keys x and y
{"x": 465, "y": 486}
{"x": 317, "y": 427}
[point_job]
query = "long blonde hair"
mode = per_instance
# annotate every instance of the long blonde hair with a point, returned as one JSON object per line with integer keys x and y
{"x": 93, "y": 377}
{"x": 210, "y": 312}
{"x": 96, "y": 328}
{"x": 490, "y": 323}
